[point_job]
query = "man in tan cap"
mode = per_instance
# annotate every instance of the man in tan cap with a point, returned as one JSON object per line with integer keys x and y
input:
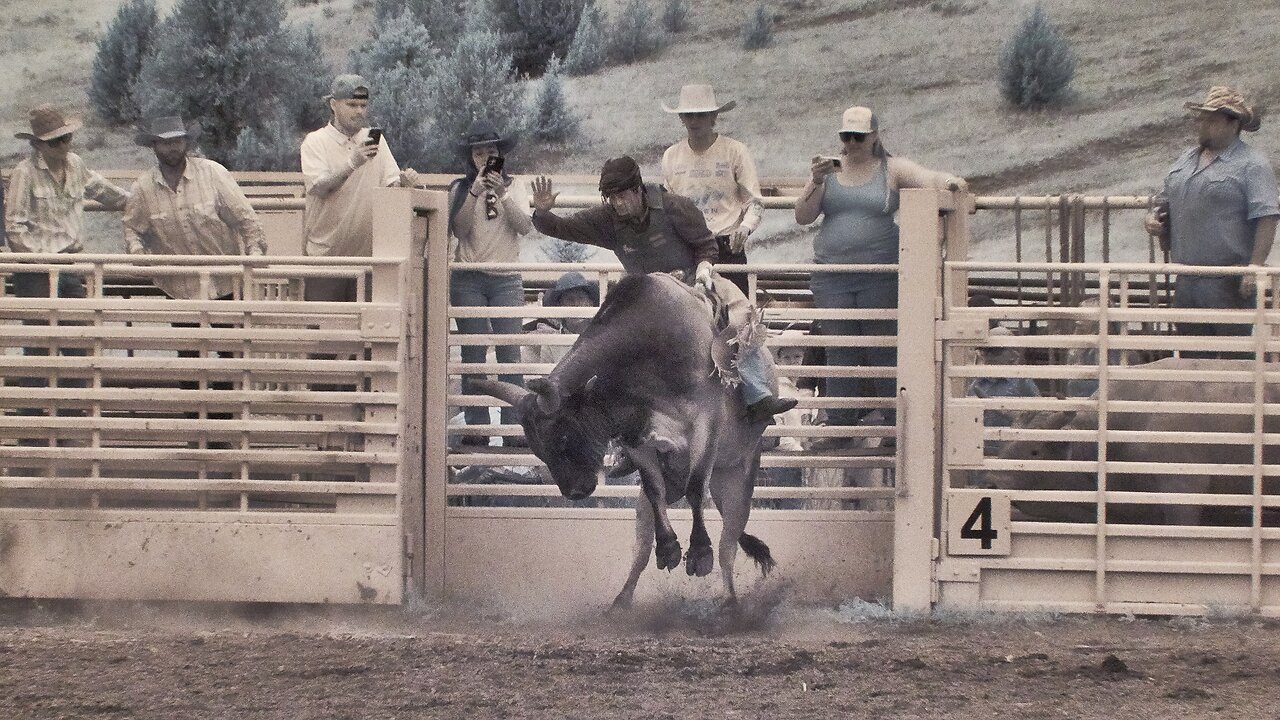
{"x": 1221, "y": 210}
{"x": 717, "y": 173}
{"x": 342, "y": 164}
{"x": 45, "y": 213}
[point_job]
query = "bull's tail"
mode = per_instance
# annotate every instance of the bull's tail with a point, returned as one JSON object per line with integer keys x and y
{"x": 755, "y": 549}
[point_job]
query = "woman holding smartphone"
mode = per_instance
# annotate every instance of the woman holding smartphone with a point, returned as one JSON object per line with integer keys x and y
{"x": 487, "y": 215}
{"x": 857, "y": 195}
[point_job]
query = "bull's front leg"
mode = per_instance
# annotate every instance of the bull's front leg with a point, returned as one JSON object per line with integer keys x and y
{"x": 667, "y": 550}
{"x": 701, "y": 559}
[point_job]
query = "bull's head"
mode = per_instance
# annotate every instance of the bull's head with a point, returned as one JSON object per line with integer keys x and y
{"x": 1029, "y": 450}
{"x": 571, "y": 441}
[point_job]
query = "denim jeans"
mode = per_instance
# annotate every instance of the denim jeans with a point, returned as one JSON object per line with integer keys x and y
{"x": 1212, "y": 292}
{"x": 846, "y": 291}
{"x": 36, "y": 285}
{"x": 471, "y": 288}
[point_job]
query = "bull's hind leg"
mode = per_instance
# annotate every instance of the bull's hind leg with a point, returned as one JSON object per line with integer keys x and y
{"x": 731, "y": 493}
{"x": 699, "y": 560}
{"x": 644, "y": 545}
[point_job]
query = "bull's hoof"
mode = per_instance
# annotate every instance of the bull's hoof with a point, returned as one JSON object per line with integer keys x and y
{"x": 668, "y": 555}
{"x": 621, "y": 604}
{"x": 700, "y": 561}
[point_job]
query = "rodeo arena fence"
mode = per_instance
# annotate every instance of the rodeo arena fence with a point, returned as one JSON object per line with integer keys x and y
{"x": 263, "y": 448}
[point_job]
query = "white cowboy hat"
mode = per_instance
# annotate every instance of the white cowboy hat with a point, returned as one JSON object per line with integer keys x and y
{"x": 699, "y": 99}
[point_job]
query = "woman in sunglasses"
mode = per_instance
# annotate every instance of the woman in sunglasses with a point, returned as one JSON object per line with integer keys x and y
{"x": 856, "y": 192}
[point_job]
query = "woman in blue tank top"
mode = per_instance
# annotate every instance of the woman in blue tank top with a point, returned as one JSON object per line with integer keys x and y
{"x": 856, "y": 194}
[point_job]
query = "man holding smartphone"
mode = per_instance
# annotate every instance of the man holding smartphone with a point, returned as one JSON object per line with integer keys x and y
{"x": 342, "y": 164}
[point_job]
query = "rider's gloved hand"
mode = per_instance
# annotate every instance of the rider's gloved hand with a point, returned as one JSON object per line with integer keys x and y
{"x": 702, "y": 276}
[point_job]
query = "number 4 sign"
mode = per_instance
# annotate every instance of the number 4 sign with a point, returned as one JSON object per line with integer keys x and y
{"x": 978, "y": 524}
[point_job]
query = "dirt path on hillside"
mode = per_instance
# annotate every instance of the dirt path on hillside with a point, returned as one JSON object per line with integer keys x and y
{"x": 658, "y": 663}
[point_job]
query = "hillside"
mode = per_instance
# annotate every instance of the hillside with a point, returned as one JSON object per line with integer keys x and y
{"x": 927, "y": 66}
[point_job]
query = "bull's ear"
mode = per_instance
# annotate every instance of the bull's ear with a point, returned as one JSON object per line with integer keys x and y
{"x": 513, "y": 394}
{"x": 548, "y": 394}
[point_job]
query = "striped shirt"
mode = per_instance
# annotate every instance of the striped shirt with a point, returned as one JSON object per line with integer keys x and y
{"x": 207, "y": 215}
{"x": 46, "y": 216}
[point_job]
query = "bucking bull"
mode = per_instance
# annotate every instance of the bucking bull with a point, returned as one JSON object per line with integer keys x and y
{"x": 1202, "y": 454}
{"x": 642, "y": 375}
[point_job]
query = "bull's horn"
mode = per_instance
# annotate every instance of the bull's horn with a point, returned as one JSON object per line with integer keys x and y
{"x": 506, "y": 391}
{"x": 548, "y": 394}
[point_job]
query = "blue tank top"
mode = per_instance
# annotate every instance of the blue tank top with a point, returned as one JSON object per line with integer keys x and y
{"x": 857, "y": 223}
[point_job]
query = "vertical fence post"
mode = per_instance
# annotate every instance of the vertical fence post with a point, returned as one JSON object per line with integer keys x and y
{"x": 436, "y": 393}
{"x": 918, "y": 375}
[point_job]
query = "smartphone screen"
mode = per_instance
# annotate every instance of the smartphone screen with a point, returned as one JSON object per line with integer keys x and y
{"x": 493, "y": 164}
{"x": 375, "y": 135}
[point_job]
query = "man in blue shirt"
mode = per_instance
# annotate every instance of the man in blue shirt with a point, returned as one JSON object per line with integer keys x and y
{"x": 1222, "y": 211}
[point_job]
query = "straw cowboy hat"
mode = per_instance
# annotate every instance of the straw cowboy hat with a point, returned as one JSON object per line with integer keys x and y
{"x": 47, "y": 123}
{"x": 1229, "y": 101}
{"x": 482, "y": 132}
{"x": 699, "y": 99}
{"x": 165, "y": 128}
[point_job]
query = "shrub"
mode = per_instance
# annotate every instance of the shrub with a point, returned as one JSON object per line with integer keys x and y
{"x": 563, "y": 251}
{"x": 215, "y": 62}
{"x": 397, "y": 40}
{"x": 552, "y": 120}
{"x": 274, "y": 147}
{"x": 589, "y": 51}
{"x": 757, "y": 31}
{"x": 441, "y": 18}
{"x": 539, "y": 29}
{"x": 118, "y": 62}
{"x": 1037, "y": 64}
{"x": 475, "y": 81}
{"x": 399, "y": 62}
{"x": 675, "y": 15}
{"x": 308, "y": 109}
{"x": 636, "y": 34}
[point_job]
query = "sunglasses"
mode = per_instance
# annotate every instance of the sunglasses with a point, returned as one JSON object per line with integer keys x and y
{"x": 856, "y": 137}
{"x": 60, "y": 140}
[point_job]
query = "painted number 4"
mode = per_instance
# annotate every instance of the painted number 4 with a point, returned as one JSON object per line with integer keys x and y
{"x": 978, "y": 524}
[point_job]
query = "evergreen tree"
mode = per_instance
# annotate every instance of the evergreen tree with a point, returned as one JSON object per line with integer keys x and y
{"x": 399, "y": 62}
{"x": 441, "y": 18}
{"x": 221, "y": 62}
{"x": 397, "y": 40}
{"x": 118, "y": 62}
{"x": 477, "y": 80}
{"x": 589, "y": 50}
{"x": 675, "y": 15}
{"x": 312, "y": 74}
{"x": 552, "y": 120}
{"x": 636, "y": 34}
{"x": 539, "y": 29}
{"x": 274, "y": 147}
{"x": 1037, "y": 64}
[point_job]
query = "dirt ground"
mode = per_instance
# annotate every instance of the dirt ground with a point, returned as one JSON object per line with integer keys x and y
{"x": 679, "y": 660}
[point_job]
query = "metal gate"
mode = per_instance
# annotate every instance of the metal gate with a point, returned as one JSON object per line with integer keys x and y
{"x": 1087, "y": 458}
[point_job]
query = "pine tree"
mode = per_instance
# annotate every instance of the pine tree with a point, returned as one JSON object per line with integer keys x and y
{"x": 675, "y": 15}
{"x": 1037, "y": 64}
{"x": 589, "y": 50}
{"x": 441, "y": 18}
{"x": 399, "y": 62}
{"x": 636, "y": 34}
{"x": 118, "y": 62}
{"x": 552, "y": 120}
{"x": 476, "y": 81}
{"x": 539, "y": 29}
{"x": 274, "y": 147}
{"x": 216, "y": 61}
{"x": 757, "y": 32}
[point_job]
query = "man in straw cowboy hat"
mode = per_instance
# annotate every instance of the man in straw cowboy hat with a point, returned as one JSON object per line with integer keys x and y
{"x": 652, "y": 230}
{"x": 188, "y": 206}
{"x": 342, "y": 164}
{"x": 1221, "y": 210}
{"x": 717, "y": 173}
{"x": 45, "y": 214}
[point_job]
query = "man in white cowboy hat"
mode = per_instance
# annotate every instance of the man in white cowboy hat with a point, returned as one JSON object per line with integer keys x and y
{"x": 341, "y": 167}
{"x": 188, "y": 206}
{"x": 1221, "y": 210}
{"x": 717, "y": 173}
{"x": 45, "y": 214}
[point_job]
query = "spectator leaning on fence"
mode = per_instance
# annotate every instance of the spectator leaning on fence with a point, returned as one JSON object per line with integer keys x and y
{"x": 188, "y": 206}
{"x": 652, "y": 230}
{"x": 488, "y": 213}
{"x": 341, "y": 167}
{"x": 570, "y": 290}
{"x": 47, "y": 191}
{"x": 1218, "y": 207}
{"x": 856, "y": 192}
{"x": 717, "y": 173}
{"x": 45, "y": 214}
